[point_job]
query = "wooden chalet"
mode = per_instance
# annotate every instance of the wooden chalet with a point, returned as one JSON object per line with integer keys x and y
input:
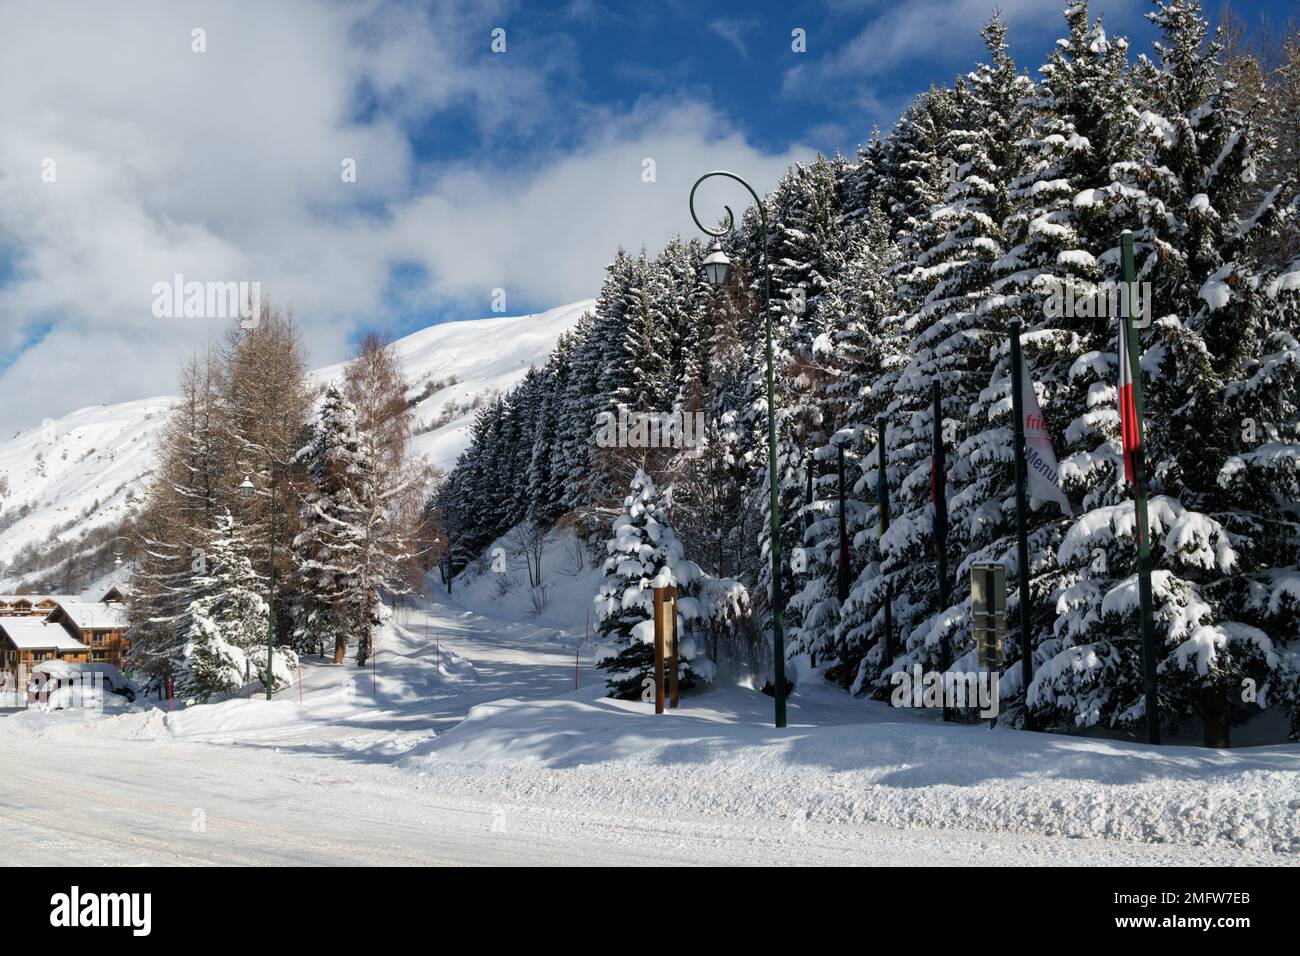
{"x": 26, "y": 640}
{"x": 116, "y": 594}
{"x": 31, "y": 605}
{"x": 100, "y": 626}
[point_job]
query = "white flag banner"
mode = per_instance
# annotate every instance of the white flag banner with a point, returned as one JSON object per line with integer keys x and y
{"x": 1040, "y": 459}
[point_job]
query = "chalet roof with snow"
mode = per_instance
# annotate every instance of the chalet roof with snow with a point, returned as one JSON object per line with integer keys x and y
{"x": 35, "y": 599}
{"x": 34, "y": 634}
{"x": 93, "y": 616}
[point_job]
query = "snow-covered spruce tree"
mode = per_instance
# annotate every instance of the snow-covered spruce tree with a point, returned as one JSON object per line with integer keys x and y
{"x": 355, "y": 543}
{"x": 544, "y": 492}
{"x": 224, "y": 627}
{"x": 644, "y": 553}
{"x": 851, "y": 322}
{"x": 912, "y": 170}
{"x": 685, "y": 307}
{"x": 325, "y": 550}
{"x": 598, "y": 368}
{"x": 871, "y": 350}
{"x": 954, "y": 245}
{"x": 804, "y": 246}
{"x": 718, "y": 511}
{"x": 1215, "y": 362}
{"x": 387, "y": 491}
{"x": 641, "y": 376}
{"x": 1070, "y": 199}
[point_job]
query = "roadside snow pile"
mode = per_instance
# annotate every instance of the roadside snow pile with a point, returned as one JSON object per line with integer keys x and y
{"x": 864, "y": 763}
{"x": 73, "y": 724}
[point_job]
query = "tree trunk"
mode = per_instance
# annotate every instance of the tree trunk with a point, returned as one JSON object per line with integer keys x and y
{"x": 340, "y": 649}
{"x": 1214, "y": 711}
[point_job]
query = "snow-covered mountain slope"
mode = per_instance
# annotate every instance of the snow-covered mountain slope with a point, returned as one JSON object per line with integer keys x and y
{"x": 485, "y": 356}
{"x": 88, "y": 468}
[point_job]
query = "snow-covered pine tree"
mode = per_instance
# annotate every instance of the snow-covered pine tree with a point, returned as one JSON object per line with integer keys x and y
{"x": 1069, "y": 196}
{"x": 179, "y": 508}
{"x": 687, "y": 297}
{"x": 869, "y": 350}
{"x": 224, "y": 627}
{"x": 640, "y": 375}
{"x": 644, "y": 553}
{"x": 1217, "y": 362}
{"x": 545, "y": 494}
{"x": 805, "y": 243}
{"x": 714, "y": 489}
{"x": 850, "y": 321}
{"x": 325, "y": 550}
{"x": 954, "y": 245}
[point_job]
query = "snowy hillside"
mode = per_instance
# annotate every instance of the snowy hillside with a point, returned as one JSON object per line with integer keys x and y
{"x": 87, "y": 468}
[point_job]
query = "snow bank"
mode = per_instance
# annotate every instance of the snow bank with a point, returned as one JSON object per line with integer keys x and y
{"x": 859, "y": 762}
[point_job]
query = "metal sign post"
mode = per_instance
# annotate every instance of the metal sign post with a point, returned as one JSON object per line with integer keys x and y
{"x": 988, "y": 617}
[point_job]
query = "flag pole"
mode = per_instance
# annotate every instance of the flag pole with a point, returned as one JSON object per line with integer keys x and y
{"x": 1145, "y": 602}
{"x": 882, "y": 513}
{"x": 940, "y": 491}
{"x": 1022, "y": 510}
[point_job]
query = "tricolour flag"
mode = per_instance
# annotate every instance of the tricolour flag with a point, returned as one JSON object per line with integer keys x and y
{"x": 1128, "y": 416}
{"x": 1040, "y": 458}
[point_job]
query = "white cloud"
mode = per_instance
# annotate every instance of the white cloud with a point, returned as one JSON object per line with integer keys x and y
{"x": 225, "y": 166}
{"x": 734, "y": 30}
{"x": 898, "y": 33}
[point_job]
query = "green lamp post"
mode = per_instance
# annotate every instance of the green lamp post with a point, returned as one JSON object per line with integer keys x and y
{"x": 716, "y": 269}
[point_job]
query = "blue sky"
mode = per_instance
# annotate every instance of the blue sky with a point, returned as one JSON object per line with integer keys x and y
{"x": 738, "y": 57}
{"x": 477, "y": 171}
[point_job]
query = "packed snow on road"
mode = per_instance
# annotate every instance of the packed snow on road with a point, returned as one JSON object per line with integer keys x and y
{"x": 467, "y": 742}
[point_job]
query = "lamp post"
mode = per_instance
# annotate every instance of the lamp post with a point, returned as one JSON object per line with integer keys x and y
{"x": 118, "y": 552}
{"x": 716, "y": 268}
{"x": 246, "y": 490}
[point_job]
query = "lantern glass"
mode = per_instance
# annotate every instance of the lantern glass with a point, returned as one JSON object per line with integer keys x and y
{"x": 716, "y": 266}
{"x": 246, "y": 489}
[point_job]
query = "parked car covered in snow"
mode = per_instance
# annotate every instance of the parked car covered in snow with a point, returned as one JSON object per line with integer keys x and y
{"x": 62, "y": 684}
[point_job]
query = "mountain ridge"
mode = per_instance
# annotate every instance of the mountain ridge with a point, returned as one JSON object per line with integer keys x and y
{"x": 88, "y": 469}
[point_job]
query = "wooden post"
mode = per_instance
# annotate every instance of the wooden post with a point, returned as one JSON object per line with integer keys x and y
{"x": 670, "y": 615}
{"x": 659, "y": 650}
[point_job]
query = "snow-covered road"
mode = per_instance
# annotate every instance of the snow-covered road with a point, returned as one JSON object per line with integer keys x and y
{"x": 368, "y": 770}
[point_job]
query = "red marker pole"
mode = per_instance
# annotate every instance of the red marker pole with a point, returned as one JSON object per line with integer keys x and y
{"x": 169, "y": 694}
{"x": 373, "y": 678}
{"x": 576, "y": 650}
{"x": 300, "y": 682}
